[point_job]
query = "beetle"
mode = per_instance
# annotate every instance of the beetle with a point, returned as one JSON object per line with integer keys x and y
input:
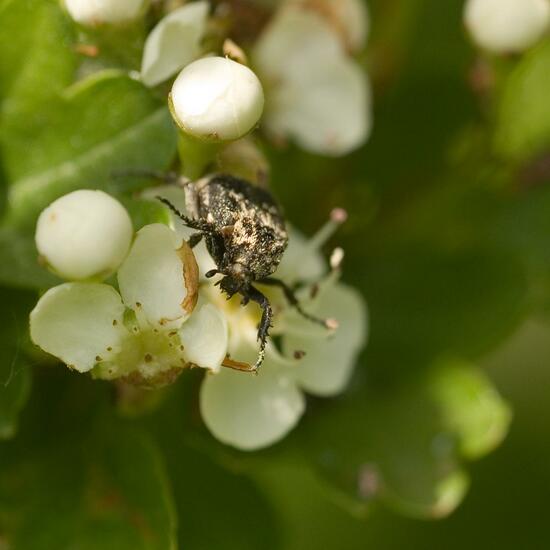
{"x": 244, "y": 232}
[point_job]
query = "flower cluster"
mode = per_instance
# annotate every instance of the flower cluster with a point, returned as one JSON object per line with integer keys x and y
{"x": 324, "y": 106}
{"x": 152, "y": 329}
{"x": 144, "y": 332}
{"x": 143, "y": 307}
{"x": 250, "y": 412}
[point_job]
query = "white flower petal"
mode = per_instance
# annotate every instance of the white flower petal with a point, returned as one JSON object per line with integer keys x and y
{"x": 504, "y": 26}
{"x": 205, "y": 338}
{"x": 315, "y": 94}
{"x": 328, "y": 364}
{"x": 326, "y": 109}
{"x": 173, "y": 43}
{"x": 176, "y": 196}
{"x": 250, "y": 412}
{"x": 77, "y": 322}
{"x": 216, "y": 98}
{"x": 301, "y": 262}
{"x": 159, "y": 276}
{"x": 291, "y": 41}
{"x": 84, "y": 234}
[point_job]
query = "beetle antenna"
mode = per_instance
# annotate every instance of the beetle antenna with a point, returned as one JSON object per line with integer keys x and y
{"x": 189, "y": 222}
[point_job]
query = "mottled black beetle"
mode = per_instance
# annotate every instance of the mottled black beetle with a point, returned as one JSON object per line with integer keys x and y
{"x": 245, "y": 234}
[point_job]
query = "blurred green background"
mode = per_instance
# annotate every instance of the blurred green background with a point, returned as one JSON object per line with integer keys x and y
{"x": 448, "y": 239}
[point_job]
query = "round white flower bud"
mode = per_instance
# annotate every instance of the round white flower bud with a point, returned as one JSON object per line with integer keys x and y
{"x": 502, "y": 26}
{"x": 98, "y": 12}
{"x": 216, "y": 98}
{"x": 84, "y": 234}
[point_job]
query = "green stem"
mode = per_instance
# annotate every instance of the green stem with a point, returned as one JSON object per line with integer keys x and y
{"x": 196, "y": 155}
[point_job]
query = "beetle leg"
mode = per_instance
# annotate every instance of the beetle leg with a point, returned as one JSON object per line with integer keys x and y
{"x": 295, "y": 303}
{"x": 255, "y": 295}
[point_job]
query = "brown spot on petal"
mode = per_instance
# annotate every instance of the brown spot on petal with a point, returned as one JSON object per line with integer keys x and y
{"x": 237, "y": 365}
{"x": 299, "y": 354}
{"x": 190, "y": 276}
{"x": 98, "y": 358}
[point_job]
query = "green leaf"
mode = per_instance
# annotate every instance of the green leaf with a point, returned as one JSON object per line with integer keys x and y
{"x": 404, "y": 445}
{"x": 523, "y": 124}
{"x": 36, "y": 60}
{"x": 15, "y": 376}
{"x": 106, "y": 123}
{"x": 105, "y": 488}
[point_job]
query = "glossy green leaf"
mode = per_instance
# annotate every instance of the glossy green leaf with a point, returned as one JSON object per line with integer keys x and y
{"x": 36, "y": 58}
{"x": 104, "y": 124}
{"x": 523, "y": 125}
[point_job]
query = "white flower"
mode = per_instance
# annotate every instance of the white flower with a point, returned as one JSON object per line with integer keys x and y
{"x": 502, "y": 26}
{"x": 316, "y": 94}
{"x": 84, "y": 234}
{"x": 250, "y": 412}
{"x": 349, "y": 18}
{"x": 177, "y": 197}
{"x": 217, "y": 99}
{"x": 173, "y": 43}
{"x": 146, "y": 333}
{"x": 98, "y": 12}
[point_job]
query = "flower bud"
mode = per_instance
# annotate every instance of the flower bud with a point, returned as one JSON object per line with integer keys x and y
{"x": 84, "y": 234}
{"x": 217, "y": 99}
{"x": 502, "y": 26}
{"x": 98, "y": 12}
